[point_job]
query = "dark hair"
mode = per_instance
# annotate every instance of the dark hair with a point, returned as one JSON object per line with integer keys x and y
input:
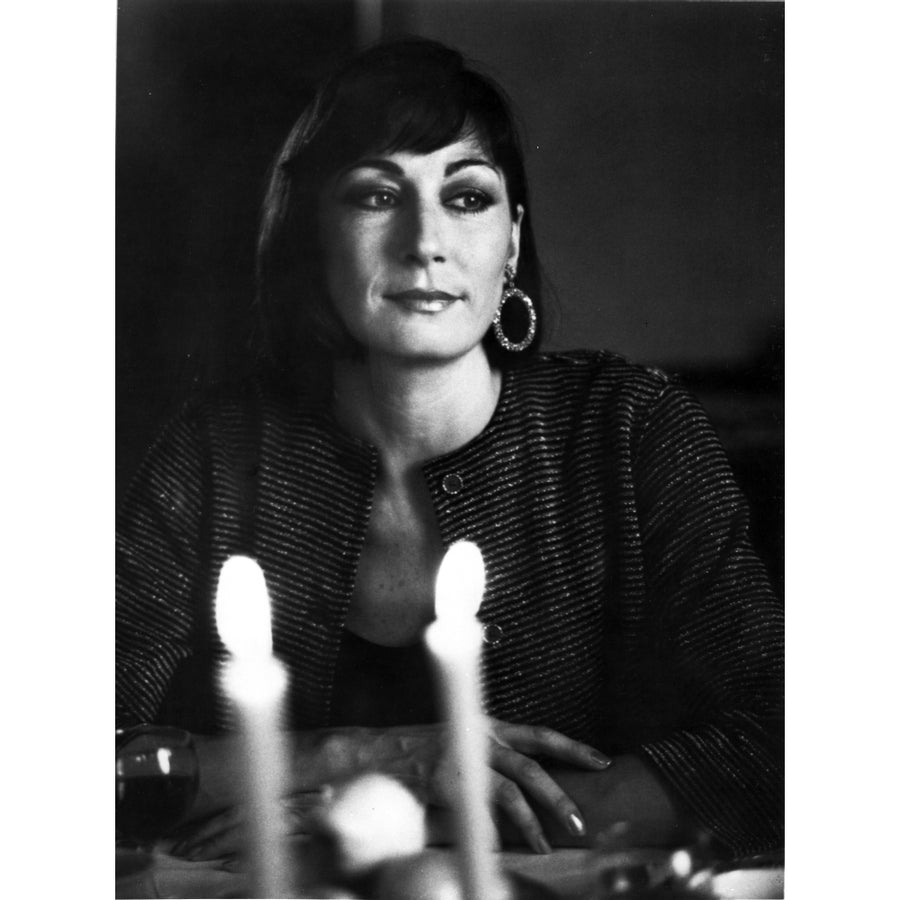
{"x": 410, "y": 95}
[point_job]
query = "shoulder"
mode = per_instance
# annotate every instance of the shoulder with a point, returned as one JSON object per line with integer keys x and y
{"x": 601, "y": 395}
{"x": 580, "y": 365}
{"x": 232, "y": 405}
{"x": 216, "y": 420}
{"x": 262, "y": 421}
{"x": 592, "y": 376}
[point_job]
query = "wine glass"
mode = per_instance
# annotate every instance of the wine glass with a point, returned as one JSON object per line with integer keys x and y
{"x": 156, "y": 782}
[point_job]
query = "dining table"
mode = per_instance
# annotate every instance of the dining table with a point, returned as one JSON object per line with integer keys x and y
{"x": 564, "y": 874}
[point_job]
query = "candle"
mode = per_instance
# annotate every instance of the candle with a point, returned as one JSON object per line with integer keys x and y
{"x": 255, "y": 683}
{"x": 454, "y": 640}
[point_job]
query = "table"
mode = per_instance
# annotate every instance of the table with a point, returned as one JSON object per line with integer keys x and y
{"x": 563, "y": 874}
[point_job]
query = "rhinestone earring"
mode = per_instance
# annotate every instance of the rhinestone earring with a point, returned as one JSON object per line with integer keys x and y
{"x": 511, "y": 292}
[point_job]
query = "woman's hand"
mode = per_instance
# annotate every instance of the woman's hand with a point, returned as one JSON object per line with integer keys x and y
{"x": 222, "y": 834}
{"x": 518, "y": 779}
{"x": 520, "y": 785}
{"x": 519, "y": 782}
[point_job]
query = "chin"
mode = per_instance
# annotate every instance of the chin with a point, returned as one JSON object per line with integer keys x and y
{"x": 429, "y": 349}
{"x": 430, "y": 356}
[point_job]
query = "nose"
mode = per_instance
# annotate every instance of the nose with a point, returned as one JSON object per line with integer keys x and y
{"x": 424, "y": 236}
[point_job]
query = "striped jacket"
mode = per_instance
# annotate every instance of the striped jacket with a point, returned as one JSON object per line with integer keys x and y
{"x": 626, "y": 605}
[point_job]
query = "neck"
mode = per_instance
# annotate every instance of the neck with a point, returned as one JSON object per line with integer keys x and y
{"x": 413, "y": 412}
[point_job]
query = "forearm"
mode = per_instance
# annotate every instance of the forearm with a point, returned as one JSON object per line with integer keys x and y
{"x": 536, "y": 798}
{"x": 314, "y": 758}
{"x": 219, "y": 764}
{"x": 629, "y": 791}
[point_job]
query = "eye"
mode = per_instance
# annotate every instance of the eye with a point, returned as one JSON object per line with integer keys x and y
{"x": 373, "y": 198}
{"x": 470, "y": 201}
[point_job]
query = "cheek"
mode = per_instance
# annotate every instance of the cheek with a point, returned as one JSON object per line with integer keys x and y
{"x": 349, "y": 263}
{"x": 492, "y": 255}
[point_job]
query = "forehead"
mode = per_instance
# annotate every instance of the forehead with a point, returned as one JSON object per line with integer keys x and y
{"x": 471, "y": 150}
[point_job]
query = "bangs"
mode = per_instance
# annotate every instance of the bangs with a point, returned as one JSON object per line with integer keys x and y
{"x": 416, "y": 109}
{"x": 423, "y": 123}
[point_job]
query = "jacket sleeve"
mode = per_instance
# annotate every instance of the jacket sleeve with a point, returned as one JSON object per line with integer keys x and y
{"x": 158, "y": 553}
{"x": 719, "y": 630}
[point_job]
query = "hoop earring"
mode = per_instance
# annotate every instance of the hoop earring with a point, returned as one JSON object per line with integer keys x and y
{"x": 511, "y": 292}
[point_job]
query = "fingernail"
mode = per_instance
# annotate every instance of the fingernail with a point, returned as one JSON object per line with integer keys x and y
{"x": 601, "y": 760}
{"x": 576, "y": 826}
{"x": 543, "y": 846}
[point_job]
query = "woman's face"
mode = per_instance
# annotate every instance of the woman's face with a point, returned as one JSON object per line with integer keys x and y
{"x": 415, "y": 246}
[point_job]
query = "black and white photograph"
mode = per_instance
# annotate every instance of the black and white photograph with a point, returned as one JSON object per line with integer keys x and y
{"x": 452, "y": 444}
{"x": 449, "y": 476}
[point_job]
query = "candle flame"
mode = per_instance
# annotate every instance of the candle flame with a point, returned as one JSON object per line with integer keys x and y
{"x": 460, "y": 583}
{"x": 164, "y": 760}
{"x": 243, "y": 614}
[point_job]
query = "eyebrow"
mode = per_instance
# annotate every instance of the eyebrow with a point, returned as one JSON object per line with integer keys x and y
{"x": 391, "y": 168}
{"x": 454, "y": 167}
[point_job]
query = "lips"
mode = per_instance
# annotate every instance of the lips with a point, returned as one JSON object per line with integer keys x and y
{"x": 423, "y": 301}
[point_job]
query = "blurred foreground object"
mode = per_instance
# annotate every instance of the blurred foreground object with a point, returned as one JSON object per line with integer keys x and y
{"x": 454, "y": 640}
{"x": 368, "y": 821}
{"x": 256, "y": 683}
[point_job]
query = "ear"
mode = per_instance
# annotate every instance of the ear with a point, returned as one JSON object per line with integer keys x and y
{"x": 515, "y": 236}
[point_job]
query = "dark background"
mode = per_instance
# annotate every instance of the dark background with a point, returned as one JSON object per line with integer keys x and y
{"x": 654, "y": 136}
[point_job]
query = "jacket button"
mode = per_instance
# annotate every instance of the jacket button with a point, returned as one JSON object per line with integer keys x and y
{"x": 452, "y": 483}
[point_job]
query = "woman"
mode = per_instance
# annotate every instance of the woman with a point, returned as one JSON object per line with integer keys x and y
{"x": 633, "y": 662}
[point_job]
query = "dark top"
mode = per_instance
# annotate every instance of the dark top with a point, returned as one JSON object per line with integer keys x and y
{"x": 630, "y": 609}
{"x": 376, "y": 685}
